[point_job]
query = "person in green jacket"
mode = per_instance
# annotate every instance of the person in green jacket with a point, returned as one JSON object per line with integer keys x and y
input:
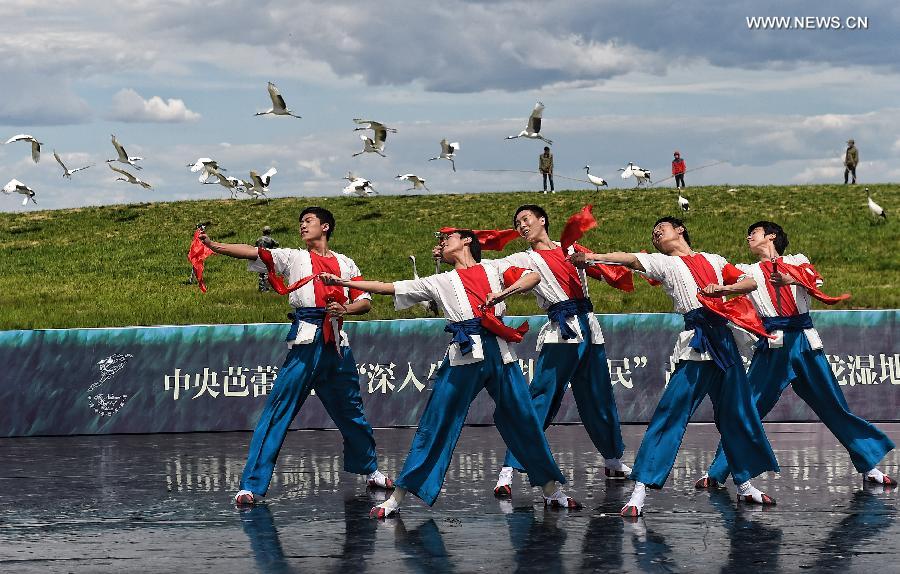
{"x": 851, "y": 159}
{"x": 545, "y": 165}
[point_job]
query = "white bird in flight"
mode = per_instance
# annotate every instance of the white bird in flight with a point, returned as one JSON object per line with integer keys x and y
{"x": 358, "y": 186}
{"x": 258, "y": 186}
{"x": 206, "y": 166}
{"x": 67, "y": 173}
{"x": 16, "y": 186}
{"x": 448, "y": 152}
{"x": 416, "y": 181}
{"x": 130, "y": 178}
{"x": 279, "y": 108}
{"x": 533, "y": 127}
{"x": 640, "y": 174}
{"x": 372, "y": 145}
{"x": 683, "y": 203}
{"x": 35, "y": 145}
{"x": 597, "y": 181}
{"x": 875, "y": 209}
{"x": 123, "y": 157}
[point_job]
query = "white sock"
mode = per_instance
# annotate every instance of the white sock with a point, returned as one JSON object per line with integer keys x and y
{"x": 506, "y": 476}
{"x": 876, "y": 475}
{"x": 616, "y": 464}
{"x": 638, "y": 496}
{"x": 374, "y": 475}
{"x": 748, "y": 489}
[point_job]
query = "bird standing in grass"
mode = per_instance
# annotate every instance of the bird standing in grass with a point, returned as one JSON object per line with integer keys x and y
{"x": 597, "y": 181}
{"x": 448, "y": 152}
{"x": 640, "y": 174}
{"x": 683, "y": 203}
{"x": 358, "y": 186}
{"x": 258, "y": 186}
{"x": 875, "y": 209}
{"x": 279, "y": 108}
{"x": 35, "y": 145}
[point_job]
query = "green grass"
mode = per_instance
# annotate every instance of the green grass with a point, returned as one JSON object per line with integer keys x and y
{"x": 126, "y": 265}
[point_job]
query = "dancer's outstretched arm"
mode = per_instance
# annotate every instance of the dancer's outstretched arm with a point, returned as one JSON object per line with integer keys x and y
{"x": 236, "y": 250}
{"x": 377, "y": 287}
{"x": 629, "y": 260}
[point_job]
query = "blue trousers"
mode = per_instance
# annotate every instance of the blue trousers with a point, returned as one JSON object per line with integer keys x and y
{"x": 336, "y": 382}
{"x": 442, "y": 420}
{"x": 743, "y": 436}
{"x": 585, "y": 366}
{"x": 772, "y": 370}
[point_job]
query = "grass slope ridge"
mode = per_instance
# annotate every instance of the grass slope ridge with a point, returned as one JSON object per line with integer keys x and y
{"x": 126, "y": 265}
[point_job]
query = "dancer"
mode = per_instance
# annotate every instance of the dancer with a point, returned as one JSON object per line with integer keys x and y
{"x": 796, "y": 357}
{"x": 707, "y": 360}
{"x": 471, "y": 298}
{"x": 319, "y": 358}
{"x": 570, "y": 345}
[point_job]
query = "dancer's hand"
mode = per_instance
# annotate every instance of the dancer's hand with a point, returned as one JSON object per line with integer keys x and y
{"x": 715, "y": 290}
{"x": 781, "y": 279}
{"x": 579, "y": 259}
{"x": 336, "y": 309}
{"x": 493, "y": 299}
{"x": 330, "y": 279}
{"x": 204, "y": 239}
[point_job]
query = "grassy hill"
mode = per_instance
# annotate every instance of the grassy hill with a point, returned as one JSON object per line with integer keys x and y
{"x": 126, "y": 265}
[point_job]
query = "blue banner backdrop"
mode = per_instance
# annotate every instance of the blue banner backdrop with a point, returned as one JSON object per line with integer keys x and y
{"x": 216, "y": 377}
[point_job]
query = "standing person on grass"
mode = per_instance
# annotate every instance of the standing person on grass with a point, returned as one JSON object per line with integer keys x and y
{"x": 545, "y": 166}
{"x": 480, "y": 356}
{"x": 319, "y": 356}
{"x": 678, "y": 169}
{"x": 570, "y": 346}
{"x": 795, "y": 358}
{"x": 707, "y": 363}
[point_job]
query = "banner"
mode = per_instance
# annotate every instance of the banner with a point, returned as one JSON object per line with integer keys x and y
{"x": 217, "y": 377}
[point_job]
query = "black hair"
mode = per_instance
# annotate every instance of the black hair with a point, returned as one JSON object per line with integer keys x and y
{"x": 324, "y": 216}
{"x": 474, "y": 246}
{"x": 675, "y": 223}
{"x": 769, "y": 228}
{"x": 535, "y": 209}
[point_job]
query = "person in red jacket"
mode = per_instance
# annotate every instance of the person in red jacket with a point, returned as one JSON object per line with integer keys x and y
{"x": 678, "y": 169}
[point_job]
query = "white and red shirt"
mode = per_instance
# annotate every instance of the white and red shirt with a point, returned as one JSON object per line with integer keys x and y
{"x": 458, "y": 294}
{"x": 794, "y": 298}
{"x": 560, "y": 280}
{"x": 294, "y": 265}
{"x": 675, "y": 274}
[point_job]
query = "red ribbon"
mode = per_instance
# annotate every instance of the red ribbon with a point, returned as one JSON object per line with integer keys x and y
{"x": 739, "y": 310}
{"x": 494, "y": 325}
{"x": 197, "y": 254}
{"x": 802, "y": 275}
{"x": 277, "y": 283}
{"x": 617, "y": 276}
{"x": 490, "y": 239}
{"x": 577, "y": 225}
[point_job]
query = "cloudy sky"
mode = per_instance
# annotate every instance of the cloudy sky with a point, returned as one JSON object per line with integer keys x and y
{"x": 622, "y": 81}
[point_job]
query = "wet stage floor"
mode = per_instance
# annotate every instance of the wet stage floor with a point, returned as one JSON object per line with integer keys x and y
{"x": 162, "y": 503}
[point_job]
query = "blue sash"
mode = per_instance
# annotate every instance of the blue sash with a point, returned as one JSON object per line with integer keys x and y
{"x": 790, "y": 324}
{"x": 710, "y": 331}
{"x": 560, "y": 313}
{"x": 463, "y": 331}
{"x": 314, "y": 315}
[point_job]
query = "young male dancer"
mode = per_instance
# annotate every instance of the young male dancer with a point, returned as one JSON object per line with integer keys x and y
{"x": 707, "y": 360}
{"x": 471, "y": 298}
{"x": 796, "y": 357}
{"x": 319, "y": 357}
{"x": 570, "y": 346}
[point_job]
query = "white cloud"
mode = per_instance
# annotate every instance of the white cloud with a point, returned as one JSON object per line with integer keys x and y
{"x": 129, "y": 106}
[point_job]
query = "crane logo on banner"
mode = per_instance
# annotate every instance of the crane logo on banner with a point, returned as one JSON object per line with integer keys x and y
{"x": 100, "y": 399}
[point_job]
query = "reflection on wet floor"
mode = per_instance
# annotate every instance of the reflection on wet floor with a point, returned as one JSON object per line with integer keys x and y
{"x": 162, "y": 503}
